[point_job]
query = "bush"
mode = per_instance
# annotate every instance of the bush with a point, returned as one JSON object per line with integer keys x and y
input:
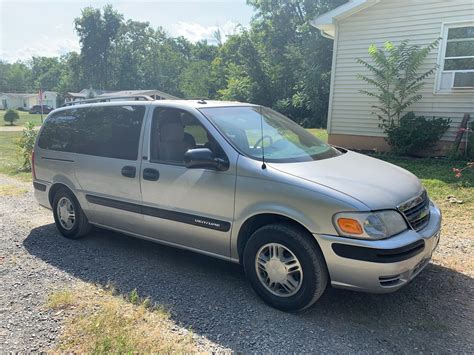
{"x": 416, "y": 133}
{"x": 11, "y": 116}
{"x": 26, "y": 145}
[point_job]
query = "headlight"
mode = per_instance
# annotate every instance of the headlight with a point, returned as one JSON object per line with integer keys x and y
{"x": 369, "y": 225}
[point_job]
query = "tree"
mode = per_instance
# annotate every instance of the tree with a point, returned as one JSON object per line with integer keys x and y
{"x": 11, "y": 116}
{"x": 396, "y": 78}
{"x": 15, "y": 77}
{"x": 47, "y": 72}
{"x": 97, "y": 31}
{"x": 286, "y": 63}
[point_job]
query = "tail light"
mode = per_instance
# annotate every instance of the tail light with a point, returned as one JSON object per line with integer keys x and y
{"x": 33, "y": 165}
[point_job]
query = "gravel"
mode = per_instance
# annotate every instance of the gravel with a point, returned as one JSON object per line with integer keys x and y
{"x": 435, "y": 313}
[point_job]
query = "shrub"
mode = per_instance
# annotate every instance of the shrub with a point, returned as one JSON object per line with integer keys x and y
{"x": 26, "y": 145}
{"x": 11, "y": 116}
{"x": 415, "y": 133}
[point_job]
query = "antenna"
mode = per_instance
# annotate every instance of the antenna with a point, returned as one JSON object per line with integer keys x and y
{"x": 264, "y": 166}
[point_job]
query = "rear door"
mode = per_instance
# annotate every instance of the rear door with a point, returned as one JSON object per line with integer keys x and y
{"x": 189, "y": 207}
{"x": 108, "y": 163}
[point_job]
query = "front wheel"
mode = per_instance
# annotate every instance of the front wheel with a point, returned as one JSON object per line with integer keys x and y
{"x": 285, "y": 267}
{"x": 68, "y": 215}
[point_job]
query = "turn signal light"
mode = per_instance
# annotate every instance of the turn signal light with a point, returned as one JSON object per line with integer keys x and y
{"x": 349, "y": 226}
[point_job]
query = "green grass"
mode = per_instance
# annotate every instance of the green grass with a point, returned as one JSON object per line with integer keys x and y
{"x": 321, "y": 133}
{"x": 438, "y": 177}
{"x": 9, "y": 156}
{"x": 24, "y": 117}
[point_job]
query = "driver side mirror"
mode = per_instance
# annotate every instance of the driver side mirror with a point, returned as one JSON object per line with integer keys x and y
{"x": 203, "y": 158}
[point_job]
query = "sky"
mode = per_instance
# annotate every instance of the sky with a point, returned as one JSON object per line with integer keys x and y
{"x": 45, "y": 28}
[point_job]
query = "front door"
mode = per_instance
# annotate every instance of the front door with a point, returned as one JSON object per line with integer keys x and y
{"x": 188, "y": 207}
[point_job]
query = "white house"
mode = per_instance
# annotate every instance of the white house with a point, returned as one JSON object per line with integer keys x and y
{"x": 26, "y": 101}
{"x": 357, "y": 24}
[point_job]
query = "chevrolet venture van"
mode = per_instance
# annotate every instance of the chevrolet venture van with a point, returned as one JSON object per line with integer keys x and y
{"x": 239, "y": 182}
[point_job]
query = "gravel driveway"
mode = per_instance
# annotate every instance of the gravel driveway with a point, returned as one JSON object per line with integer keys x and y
{"x": 435, "y": 313}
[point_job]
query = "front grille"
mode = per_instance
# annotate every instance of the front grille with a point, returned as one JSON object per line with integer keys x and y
{"x": 417, "y": 211}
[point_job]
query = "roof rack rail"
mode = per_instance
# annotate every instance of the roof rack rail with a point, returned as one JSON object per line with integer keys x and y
{"x": 108, "y": 99}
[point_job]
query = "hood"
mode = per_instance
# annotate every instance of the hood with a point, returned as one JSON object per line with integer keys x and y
{"x": 375, "y": 183}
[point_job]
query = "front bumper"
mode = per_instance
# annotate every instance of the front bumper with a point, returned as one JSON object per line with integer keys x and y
{"x": 380, "y": 266}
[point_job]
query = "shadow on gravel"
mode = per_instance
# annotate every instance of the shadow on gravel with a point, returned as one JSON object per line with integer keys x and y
{"x": 211, "y": 297}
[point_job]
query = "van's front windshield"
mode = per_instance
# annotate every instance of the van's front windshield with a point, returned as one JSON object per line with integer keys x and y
{"x": 256, "y": 130}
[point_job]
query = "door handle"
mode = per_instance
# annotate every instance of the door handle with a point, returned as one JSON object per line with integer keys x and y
{"x": 151, "y": 174}
{"x": 129, "y": 171}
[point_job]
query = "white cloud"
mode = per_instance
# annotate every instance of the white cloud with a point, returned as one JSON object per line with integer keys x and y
{"x": 46, "y": 47}
{"x": 195, "y": 32}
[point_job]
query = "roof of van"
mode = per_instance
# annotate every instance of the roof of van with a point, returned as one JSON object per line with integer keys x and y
{"x": 172, "y": 103}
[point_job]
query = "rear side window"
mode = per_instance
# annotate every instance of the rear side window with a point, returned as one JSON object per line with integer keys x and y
{"x": 106, "y": 131}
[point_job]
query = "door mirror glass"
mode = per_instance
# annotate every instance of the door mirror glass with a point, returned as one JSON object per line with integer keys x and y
{"x": 203, "y": 158}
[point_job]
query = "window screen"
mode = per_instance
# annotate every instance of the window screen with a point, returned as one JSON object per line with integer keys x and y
{"x": 107, "y": 131}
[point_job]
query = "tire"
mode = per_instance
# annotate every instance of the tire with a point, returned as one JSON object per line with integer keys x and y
{"x": 72, "y": 228}
{"x": 288, "y": 243}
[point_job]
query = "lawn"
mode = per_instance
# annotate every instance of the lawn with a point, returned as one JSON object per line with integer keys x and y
{"x": 9, "y": 157}
{"x": 24, "y": 117}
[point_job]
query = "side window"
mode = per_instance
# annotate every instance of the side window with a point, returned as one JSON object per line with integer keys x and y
{"x": 110, "y": 131}
{"x": 58, "y": 132}
{"x": 175, "y": 131}
{"x": 107, "y": 131}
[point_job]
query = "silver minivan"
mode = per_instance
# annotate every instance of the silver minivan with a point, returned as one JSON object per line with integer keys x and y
{"x": 239, "y": 182}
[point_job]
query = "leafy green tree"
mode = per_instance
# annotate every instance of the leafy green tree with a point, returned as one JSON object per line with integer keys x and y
{"x": 16, "y": 77}
{"x": 396, "y": 78}
{"x": 195, "y": 79}
{"x": 47, "y": 72}
{"x": 97, "y": 32}
{"x": 11, "y": 116}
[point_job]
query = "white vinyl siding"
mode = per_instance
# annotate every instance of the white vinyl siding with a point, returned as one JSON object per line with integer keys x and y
{"x": 419, "y": 21}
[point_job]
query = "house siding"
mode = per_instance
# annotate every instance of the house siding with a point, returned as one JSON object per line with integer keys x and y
{"x": 393, "y": 20}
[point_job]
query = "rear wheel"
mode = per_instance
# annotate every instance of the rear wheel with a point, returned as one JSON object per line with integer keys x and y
{"x": 285, "y": 267}
{"x": 68, "y": 215}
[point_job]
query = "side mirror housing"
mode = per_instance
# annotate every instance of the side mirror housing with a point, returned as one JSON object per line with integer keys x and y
{"x": 203, "y": 158}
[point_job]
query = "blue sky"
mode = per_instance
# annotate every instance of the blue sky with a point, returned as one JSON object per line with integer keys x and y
{"x": 45, "y": 28}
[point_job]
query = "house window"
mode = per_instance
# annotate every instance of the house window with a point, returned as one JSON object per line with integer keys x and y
{"x": 457, "y": 60}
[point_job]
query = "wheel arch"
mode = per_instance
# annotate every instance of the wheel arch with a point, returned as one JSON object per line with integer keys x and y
{"x": 55, "y": 188}
{"x": 259, "y": 220}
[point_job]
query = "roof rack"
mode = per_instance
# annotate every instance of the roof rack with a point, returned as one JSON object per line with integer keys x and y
{"x": 109, "y": 98}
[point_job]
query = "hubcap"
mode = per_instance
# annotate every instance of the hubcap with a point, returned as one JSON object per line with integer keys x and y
{"x": 279, "y": 270}
{"x": 66, "y": 213}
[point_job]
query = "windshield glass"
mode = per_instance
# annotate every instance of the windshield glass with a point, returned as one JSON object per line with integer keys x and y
{"x": 276, "y": 136}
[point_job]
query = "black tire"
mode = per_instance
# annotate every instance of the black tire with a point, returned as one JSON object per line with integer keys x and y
{"x": 309, "y": 255}
{"x": 81, "y": 225}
